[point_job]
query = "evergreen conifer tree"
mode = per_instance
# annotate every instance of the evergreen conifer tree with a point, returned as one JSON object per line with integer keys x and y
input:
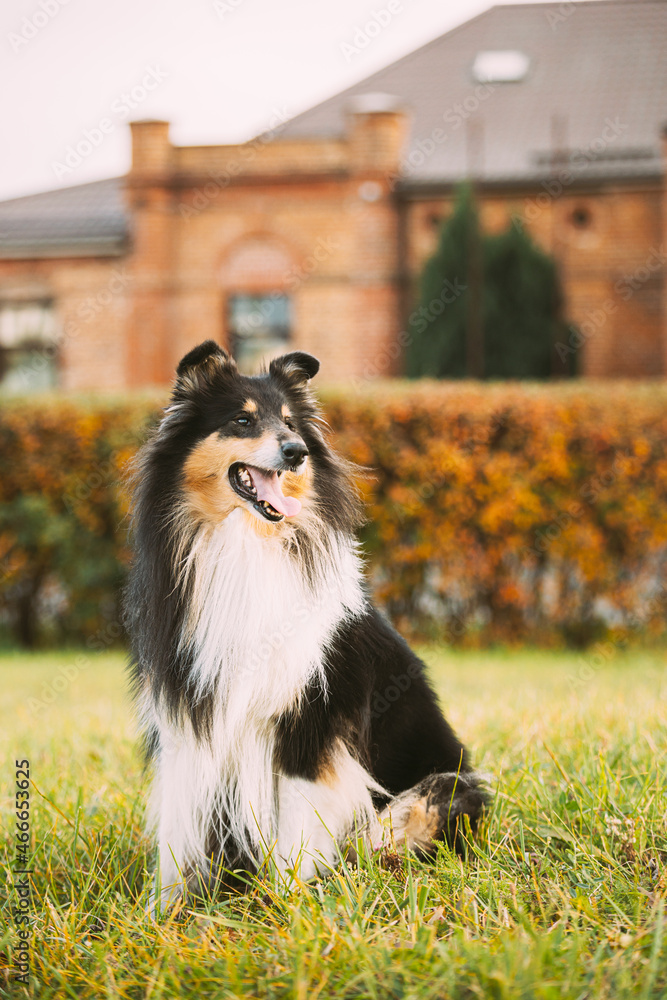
{"x": 517, "y": 301}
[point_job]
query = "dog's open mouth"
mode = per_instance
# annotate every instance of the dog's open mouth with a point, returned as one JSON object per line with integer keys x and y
{"x": 262, "y": 489}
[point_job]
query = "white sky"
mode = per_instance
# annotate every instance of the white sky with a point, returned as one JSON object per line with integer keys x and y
{"x": 223, "y": 69}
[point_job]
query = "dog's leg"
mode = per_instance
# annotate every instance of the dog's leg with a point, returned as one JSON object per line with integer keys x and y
{"x": 307, "y": 828}
{"x": 316, "y": 817}
{"x": 180, "y": 808}
{"x": 169, "y": 883}
{"x": 431, "y": 811}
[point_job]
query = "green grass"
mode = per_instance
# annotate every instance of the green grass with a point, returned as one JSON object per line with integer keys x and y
{"x": 562, "y": 895}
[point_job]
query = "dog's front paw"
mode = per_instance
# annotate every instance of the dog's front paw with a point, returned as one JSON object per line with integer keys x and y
{"x": 431, "y": 811}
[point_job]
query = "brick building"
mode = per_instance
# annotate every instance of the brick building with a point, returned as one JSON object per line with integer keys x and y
{"x": 313, "y": 234}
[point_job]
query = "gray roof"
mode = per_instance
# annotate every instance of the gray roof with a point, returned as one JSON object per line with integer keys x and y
{"x": 591, "y": 64}
{"x": 86, "y": 220}
{"x": 594, "y": 101}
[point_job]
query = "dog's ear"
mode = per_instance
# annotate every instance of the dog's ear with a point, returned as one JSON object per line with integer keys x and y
{"x": 297, "y": 367}
{"x": 195, "y": 373}
{"x": 200, "y": 366}
{"x": 205, "y": 358}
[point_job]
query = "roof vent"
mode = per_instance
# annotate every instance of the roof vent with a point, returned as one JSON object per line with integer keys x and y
{"x": 500, "y": 66}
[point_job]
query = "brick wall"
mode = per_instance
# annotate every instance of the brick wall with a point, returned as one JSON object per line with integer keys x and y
{"x": 318, "y": 221}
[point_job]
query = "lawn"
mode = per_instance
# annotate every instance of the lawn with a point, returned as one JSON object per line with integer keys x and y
{"x": 562, "y": 894}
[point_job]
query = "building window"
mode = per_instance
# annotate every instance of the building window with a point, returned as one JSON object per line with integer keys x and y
{"x": 259, "y": 328}
{"x": 28, "y": 347}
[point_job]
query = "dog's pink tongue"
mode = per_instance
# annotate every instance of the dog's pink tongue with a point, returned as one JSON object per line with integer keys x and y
{"x": 268, "y": 488}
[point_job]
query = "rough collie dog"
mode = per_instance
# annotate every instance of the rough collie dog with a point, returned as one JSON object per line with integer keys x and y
{"x": 282, "y": 713}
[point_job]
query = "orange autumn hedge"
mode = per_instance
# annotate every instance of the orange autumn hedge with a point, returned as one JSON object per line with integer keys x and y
{"x": 496, "y": 513}
{"x": 63, "y": 517}
{"x": 512, "y": 511}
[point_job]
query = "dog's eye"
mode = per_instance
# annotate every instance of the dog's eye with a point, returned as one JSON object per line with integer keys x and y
{"x": 290, "y": 424}
{"x": 242, "y": 420}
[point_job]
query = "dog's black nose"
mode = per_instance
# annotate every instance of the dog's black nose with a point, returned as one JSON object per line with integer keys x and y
{"x": 293, "y": 451}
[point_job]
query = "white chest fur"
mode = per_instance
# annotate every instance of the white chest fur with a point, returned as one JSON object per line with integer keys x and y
{"x": 257, "y": 624}
{"x": 257, "y": 630}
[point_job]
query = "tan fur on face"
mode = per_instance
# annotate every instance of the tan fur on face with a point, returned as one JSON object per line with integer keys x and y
{"x": 208, "y": 493}
{"x": 206, "y": 485}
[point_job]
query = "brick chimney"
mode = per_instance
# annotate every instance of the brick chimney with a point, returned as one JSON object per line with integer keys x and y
{"x": 150, "y": 203}
{"x": 377, "y": 130}
{"x": 151, "y": 148}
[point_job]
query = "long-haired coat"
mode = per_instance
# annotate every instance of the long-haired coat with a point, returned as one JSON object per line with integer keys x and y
{"x": 281, "y": 711}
